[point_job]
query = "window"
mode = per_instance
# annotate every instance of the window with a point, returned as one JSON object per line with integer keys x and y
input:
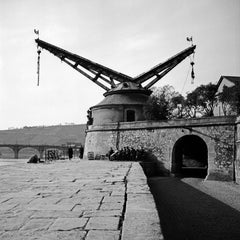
{"x": 130, "y": 115}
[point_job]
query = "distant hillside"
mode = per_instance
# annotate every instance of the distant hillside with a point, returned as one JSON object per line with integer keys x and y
{"x": 56, "y": 135}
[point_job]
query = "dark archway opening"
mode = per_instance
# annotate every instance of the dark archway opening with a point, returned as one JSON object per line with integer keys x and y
{"x": 130, "y": 115}
{"x": 190, "y": 157}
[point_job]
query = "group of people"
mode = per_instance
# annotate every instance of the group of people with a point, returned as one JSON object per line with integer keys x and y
{"x": 71, "y": 152}
{"x": 34, "y": 159}
{"x": 127, "y": 154}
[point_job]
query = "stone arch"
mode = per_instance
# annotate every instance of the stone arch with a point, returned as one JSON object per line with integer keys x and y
{"x": 27, "y": 152}
{"x": 190, "y": 157}
{"x": 7, "y": 152}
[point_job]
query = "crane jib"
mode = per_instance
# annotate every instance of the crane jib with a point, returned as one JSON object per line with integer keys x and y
{"x": 106, "y": 77}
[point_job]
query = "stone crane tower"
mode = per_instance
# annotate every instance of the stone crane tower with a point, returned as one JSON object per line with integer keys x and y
{"x": 125, "y": 96}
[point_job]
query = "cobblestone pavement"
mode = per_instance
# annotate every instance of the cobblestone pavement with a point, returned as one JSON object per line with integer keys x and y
{"x": 88, "y": 200}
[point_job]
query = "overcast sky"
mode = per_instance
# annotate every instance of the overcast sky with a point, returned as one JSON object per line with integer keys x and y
{"x": 129, "y": 36}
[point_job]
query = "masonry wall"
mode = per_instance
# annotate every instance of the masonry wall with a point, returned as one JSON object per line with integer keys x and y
{"x": 159, "y": 138}
{"x": 237, "y": 162}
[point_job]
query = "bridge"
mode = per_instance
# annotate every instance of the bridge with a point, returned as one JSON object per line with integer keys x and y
{"x": 41, "y": 148}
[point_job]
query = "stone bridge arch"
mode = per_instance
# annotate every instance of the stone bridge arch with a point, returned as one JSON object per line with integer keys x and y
{"x": 7, "y": 152}
{"x": 24, "y": 152}
{"x": 38, "y": 149}
{"x": 190, "y": 156}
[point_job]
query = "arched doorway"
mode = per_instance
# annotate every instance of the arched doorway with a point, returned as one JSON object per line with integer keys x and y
{"x": 190, "y": 157}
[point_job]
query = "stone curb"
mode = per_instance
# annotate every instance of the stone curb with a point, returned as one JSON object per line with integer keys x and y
{"x": 141, "y": 221}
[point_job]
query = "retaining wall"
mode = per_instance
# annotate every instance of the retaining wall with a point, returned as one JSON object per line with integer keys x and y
{"x": 160, "y": 137}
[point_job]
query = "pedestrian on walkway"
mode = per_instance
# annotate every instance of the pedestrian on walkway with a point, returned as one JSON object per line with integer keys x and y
{"x": 70, "y": 153}
{"x": 110, "y": 152}
{"x": 81, "y": 150}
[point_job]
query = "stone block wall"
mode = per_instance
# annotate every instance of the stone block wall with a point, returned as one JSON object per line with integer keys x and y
{"x": 237, "y": 162}
{"x": 160, "y": 137}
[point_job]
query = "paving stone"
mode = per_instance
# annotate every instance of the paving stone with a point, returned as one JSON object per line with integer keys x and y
{"x": 141, "y": 226}
{"x": 84, "y": 207}
{"x": 26, "y": 192}
{"x": 7, "y": 206}
{"x": 111, "y": 206}
{"x": 20, "y": 200}
{"x": 4, "y": 198}
{"x": 108, "y": 199}
{"x": 15, "y": 213}
{"x": 39, "y": 207}
{"x": 114, "y": 187}
{"x": 107, "y": 223}
{"x": 101, "y": 213}
{"x": 140, "y": 202}
{"x": 118, "y": 193}
{"x": 66, "y": 224}
{"x": 12, "y": 223}
{"x": 114, "y": 179}
{"x": 91, "y": 193}
{"x": 37, "y": 225}
{"x": 55, "y": 214}
{"x": 44, "y": 200}
{"x": 89, "y": 199}
{"x": 21, "y": 235}
{"x": 52, "y": 192}
{"x": 69, "y": 201}
{"x": 102, "y": 235}
{"x": 64, "y": 235}
{"x": 140, "y": 189}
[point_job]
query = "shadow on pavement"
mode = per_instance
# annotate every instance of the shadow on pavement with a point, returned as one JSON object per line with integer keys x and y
{"x": 189, "y": 214}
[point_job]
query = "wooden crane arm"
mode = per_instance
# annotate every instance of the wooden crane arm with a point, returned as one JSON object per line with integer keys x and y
{"x": 85, "y": 63}
{"x": 162, "y": 69}
{"x": 109, "y": 75}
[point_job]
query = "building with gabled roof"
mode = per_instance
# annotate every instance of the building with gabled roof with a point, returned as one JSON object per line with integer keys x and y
{"x": 223, "y": 109}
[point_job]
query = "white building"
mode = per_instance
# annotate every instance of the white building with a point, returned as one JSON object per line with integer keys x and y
{"x": 222, "y": 109}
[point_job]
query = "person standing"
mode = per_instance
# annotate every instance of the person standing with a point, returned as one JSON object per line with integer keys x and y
{"x": 110, "y": 152}
{"x": 70, "y": 153}
{"x": 81, "y": 150}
